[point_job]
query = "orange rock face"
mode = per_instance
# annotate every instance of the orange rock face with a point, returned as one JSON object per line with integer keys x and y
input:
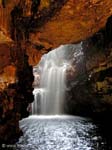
{"x": 34, "y": 55}
{"x": 4, "y": 56}
{"x": 7, "y": 77}
{"x": 77, "y": 20}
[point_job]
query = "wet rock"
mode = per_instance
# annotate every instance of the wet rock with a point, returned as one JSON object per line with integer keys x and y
{"x": 91, "y": 94}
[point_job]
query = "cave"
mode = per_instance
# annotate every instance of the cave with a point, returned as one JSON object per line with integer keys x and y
{"x": 55, "y": 74}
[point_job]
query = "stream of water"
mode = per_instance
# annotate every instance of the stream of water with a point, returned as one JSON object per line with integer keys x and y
{"x": 60, "y": 133}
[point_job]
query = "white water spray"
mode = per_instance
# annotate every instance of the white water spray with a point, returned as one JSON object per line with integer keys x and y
{"x": 50, "y": 94}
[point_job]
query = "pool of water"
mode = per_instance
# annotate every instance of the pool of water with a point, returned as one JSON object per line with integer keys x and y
{"x": 59, "y": 133}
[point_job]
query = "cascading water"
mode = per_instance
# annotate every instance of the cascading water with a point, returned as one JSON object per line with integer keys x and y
{"x": 50, "y": 94}
{"x": 51, "y": 72}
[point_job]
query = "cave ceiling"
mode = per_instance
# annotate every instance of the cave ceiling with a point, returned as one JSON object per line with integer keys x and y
{"x": 61, "y": 22}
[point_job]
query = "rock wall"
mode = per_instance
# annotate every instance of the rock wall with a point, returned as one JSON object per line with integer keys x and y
{"x": 90, "y": 93}
{"x": 15, "y": 91}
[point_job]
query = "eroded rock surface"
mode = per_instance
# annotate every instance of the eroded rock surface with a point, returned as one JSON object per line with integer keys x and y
{"x": 90, "y": 93}
{"x": 15, "y": 93}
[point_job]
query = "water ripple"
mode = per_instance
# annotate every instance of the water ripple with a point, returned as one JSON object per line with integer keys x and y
{"x": 58, "y": 133}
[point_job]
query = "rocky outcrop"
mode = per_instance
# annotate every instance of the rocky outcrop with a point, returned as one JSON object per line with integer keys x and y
{"x": 90, "y": 93}
{"x": 76, "y": 21}
{"x": 16, "y": 80}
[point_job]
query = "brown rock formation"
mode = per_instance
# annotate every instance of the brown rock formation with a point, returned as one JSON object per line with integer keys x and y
{"x": 76, "y": 21}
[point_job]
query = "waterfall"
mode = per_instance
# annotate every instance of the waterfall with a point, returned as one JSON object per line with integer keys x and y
{"x": 50, "y": 75}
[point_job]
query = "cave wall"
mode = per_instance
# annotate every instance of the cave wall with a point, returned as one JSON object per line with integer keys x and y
{"x": 16, "y": 80}
{"x": 91, "y": 94}
{"x": 27, "y": 31}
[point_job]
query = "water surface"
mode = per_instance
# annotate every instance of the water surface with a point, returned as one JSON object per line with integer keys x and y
{"x": 59, "y": 133}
